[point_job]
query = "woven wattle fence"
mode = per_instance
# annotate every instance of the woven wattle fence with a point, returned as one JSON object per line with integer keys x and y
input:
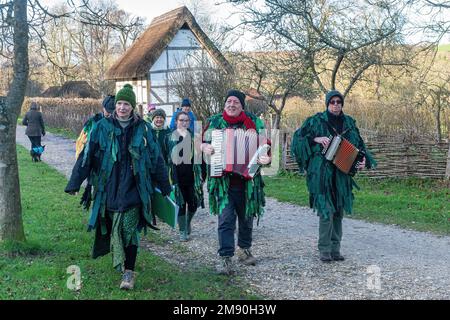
{"x": 396, "y": 158}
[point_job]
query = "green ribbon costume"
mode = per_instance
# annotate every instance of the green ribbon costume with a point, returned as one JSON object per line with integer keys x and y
{"x": 321, "y": 172}
{"x": 218, "y": 187}
{"x": 171, "y": 142}
{"x": 144, "y": 152}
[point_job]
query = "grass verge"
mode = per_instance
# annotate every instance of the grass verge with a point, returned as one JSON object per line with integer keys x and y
{"x": 56, "y": 234}
{"x": 417, "y": 204}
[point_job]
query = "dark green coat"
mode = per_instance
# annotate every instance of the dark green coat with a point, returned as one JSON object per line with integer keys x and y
{"x": 323, "y": 178}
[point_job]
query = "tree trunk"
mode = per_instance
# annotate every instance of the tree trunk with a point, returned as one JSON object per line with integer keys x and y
{"x": 11, "y": 225}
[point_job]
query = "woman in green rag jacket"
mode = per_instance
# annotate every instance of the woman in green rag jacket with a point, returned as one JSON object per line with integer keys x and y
{"x": 329, "y": 188}
{"x": 123, "y": 162}
{"x": 160, "y": 130}
{"x": 187, "y": 177}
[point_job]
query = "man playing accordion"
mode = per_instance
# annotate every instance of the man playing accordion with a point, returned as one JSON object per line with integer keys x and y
{"x": 330, "y": 188}
{"x": 231, "y": 195}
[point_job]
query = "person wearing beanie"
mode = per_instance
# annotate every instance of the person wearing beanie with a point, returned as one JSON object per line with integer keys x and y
{"x": 124, "y": 157}
{"x": 186, "y": 107}
{"x": 126, "y": 94}
{"x": 160, "y": 130}
{"x": 226, "y": 193}
{"x": 332, "y": 194}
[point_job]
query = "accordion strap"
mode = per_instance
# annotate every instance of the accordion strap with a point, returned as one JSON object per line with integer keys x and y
{"x": 334, "y": 130}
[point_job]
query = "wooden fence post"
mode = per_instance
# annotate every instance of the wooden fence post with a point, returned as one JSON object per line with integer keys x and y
{"x": 447, "y": 170}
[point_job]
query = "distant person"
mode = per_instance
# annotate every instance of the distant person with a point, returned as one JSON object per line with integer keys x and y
{"x": 126, "y": 162}
{"x": 185, "y": 107}
{"x": 330, "y": 189}
{"x": 35, "y": 131}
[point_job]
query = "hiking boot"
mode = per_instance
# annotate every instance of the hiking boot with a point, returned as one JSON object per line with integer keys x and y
{"x": 188, "y": 227}
{"x": 336, "y": 256}
{"x": 325, "y": 257}
{"x": 182, "y": 221}
{"x": 225, "y": 266}
{"x": 128, "y": 279}
{"x": 245, "y": 256}
{"x": 184, "y": 236}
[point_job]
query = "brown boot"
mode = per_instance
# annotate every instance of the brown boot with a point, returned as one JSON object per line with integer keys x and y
{"x": 128, "y": 279}
{"x": 245, "y": 256}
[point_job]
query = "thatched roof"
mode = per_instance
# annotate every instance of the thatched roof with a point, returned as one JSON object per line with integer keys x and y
{"x": 72, "y": 89}
{"x": 143, "y": 53}
{"x": 51, "y": 92}
{"x": 78, "y": 89}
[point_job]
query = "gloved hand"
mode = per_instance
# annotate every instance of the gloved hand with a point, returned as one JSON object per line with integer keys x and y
{"x": 86, "y": 198}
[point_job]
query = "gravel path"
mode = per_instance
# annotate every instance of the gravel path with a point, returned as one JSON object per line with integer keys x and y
{"x": 382, "y": 262}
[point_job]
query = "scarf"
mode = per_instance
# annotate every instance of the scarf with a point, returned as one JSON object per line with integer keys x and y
{"x": 242, "y": 118}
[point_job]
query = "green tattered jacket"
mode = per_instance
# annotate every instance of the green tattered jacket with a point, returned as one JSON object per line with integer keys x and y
{"x": 171, "y": 143}
{"x": 321, "y": 172}
{"x": 98, "y": 159}
{"x": 218, "y": 187}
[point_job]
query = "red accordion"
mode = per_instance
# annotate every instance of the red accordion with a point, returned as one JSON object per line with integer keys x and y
{"x": 344, "y": 155}
{"x": 237, "y": 151}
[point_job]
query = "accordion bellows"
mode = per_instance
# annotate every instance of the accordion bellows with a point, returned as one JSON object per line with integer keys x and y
{"x": 237, "y": 151}
{"x": 344, "y": 155}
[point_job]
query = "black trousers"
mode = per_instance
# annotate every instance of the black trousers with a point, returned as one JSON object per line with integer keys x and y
{"x": 227, "y": 223}
{"x": 187, "y": 190}
{"x": 35, "y": 141}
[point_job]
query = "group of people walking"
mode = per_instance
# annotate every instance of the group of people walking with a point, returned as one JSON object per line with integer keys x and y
{"x": 124, "y": 158}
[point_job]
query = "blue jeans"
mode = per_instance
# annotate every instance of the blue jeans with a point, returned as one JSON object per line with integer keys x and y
{"x": 227, "y": 223}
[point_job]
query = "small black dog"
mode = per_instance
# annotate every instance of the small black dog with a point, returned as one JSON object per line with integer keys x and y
{"x": 36, "y": 153}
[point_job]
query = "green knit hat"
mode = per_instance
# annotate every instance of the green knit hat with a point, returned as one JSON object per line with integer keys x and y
{"x": 126, "y": 94}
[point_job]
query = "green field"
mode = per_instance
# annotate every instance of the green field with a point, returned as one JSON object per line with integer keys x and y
{"x": 55, "y": 228}
{"x": 417, "y": 204}
{"x": 444, "y": 47}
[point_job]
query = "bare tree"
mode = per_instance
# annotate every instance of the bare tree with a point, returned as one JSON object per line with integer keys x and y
{"x": 18, "y": 19}
{"x": 15, "y": 25}
{"x": 275, "y": 76}
{"x": 203, "y": 82}
{"x": 340, "y": 40}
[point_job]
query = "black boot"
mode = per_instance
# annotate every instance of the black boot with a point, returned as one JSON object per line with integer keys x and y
{"x": 325, "y": 257}
{"x": 182, "y": 224}
{"x": 189, "y": 220}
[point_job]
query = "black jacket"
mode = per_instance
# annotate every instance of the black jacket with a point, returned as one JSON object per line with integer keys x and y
{"x": 121, "y": 186}
{"x": 35, "y": 124}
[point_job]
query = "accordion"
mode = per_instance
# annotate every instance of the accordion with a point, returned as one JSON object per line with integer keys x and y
{"x": 237, "y": 151}
{"x": 344, "y": 155}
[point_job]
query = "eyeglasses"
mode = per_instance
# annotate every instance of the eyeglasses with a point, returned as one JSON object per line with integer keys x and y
{"x": 184, "y": 120}
{"x": 338, "y": 102}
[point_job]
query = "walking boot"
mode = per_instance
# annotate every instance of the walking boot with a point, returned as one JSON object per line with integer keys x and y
{"x": 325, "y": 257}
{"x": 183, "y": 228}
{"x": 190, "y": 216}
{"x": 245, "y": 256}
{"x": 336, "y": 256}
{"x": 128, "y": 280}
{"x": 225, "y": 266}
